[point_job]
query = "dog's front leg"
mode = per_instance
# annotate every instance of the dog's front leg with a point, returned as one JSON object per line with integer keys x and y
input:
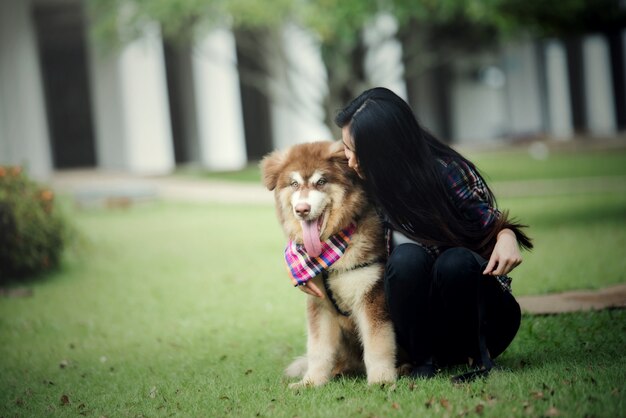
{"x": 378, "y": 337}
{"x": 323, "y": 339}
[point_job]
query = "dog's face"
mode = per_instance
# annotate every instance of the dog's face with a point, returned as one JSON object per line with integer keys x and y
{"x": 316, "y": 193}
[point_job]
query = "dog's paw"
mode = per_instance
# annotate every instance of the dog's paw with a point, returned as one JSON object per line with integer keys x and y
{"x": 297, "y": 368}
{"x": 300, "y": 385}
{"x": 308, "y": 382}
{"x": 387, "y": 375}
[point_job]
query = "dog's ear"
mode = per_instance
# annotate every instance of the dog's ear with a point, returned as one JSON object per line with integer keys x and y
{"x": 337, "y": 153}
{"x": 271, "y": 166}
{"x": 338, "y": 158}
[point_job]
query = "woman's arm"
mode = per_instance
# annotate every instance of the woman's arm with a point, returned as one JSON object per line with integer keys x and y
{"x": 505, "y": 255}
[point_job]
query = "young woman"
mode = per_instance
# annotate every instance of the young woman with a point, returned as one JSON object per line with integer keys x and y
{"x": 450, "y": 249}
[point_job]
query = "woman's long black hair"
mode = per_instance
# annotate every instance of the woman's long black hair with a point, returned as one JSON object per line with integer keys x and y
{"x": 398, "y": 159}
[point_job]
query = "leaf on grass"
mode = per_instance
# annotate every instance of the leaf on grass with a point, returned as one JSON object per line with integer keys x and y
{"x": 429, "y": 402}
{"x": 64, "y": 363}
{"x": 153, "y": 392}
{"x": 65, "y": 400}
{"x": 445, "y": 403}
{"x": 552, "y": 412}
{"x": 537, "y": 395}
{"x": 615, "y": 391}
{"x": 395, "y": 405}
{"x": 479, "y": 408}
{"x": 489, "y": 398}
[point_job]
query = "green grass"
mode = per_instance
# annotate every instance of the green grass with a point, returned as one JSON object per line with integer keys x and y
{"x": 520, "y": 165}
{"x": 579, "y": 242}
{"x": 506, "y": 165}
{"x": 186, "y": 310}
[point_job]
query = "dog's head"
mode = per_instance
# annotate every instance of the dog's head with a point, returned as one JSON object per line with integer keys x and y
{"x": 316, "y": 193}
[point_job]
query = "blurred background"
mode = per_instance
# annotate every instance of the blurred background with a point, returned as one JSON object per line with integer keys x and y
{"x": 165, "y": 289}
{"x": 146, "y": 86}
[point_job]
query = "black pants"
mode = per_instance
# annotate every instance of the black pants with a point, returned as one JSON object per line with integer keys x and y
{"x": 434, "y": 305}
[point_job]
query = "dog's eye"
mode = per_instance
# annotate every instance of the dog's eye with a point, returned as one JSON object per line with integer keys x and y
{"x": 294, "y": 184}
{"x": 322, "y": 181}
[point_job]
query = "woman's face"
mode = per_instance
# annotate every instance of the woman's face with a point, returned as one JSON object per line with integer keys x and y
{"x": 348, "y": 147}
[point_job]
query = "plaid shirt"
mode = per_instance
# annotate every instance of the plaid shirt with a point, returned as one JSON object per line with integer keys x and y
{"x": 468, "y": 191}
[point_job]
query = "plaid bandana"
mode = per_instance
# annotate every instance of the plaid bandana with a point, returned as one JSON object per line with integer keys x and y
{"x": 302, "y": 267}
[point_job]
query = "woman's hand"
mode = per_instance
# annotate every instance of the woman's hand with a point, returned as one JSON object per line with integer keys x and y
{"x": 311, "y": 289}
{"x": 505, "y": 256}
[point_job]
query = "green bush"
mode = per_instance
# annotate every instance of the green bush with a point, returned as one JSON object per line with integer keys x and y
{"x": 32, "y": 230}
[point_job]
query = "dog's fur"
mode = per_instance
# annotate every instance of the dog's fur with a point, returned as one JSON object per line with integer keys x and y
{"x": 336, "y": 344}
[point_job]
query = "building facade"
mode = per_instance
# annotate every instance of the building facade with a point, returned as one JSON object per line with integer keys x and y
{"x": 150, "y": 106}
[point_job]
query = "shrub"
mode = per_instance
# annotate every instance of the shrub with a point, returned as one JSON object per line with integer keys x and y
{"x": 32, "y": 230}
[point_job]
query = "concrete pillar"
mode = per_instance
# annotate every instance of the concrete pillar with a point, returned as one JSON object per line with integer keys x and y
{"x": 218, "y": 102}
{"x": 558, "y": 94}
{"x": 131, "y": 113}
{"x": 599, "y": 103}
{"x": 522, "y": 89}
{"x": 24, "y": 136}
{"x": 383, "y": 59}
{"x": 478, "y": 100}
{"x": 298, "y": 90}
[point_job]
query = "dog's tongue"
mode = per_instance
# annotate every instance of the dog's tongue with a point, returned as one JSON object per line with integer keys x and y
{"x": 311, "y": 238}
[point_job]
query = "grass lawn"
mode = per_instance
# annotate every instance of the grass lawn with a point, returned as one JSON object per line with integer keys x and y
{"x": 185, "y": 310}
{"x": 518, "y": 164}
{"x": 512, "y": 164}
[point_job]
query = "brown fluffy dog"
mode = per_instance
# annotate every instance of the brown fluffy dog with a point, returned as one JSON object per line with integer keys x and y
{"x": 317, "y": 195}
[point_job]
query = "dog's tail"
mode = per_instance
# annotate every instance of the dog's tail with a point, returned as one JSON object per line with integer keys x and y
{"x": 298, "y": 367}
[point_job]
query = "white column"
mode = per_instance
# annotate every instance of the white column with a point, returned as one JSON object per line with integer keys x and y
{"x": 218, "y": 102}
{"x": 522, "y": 89}
{"x": 478, "y": 100}
{"x": 24, "y": 136}
{"x": 133, "y": 130}
{"x": 299, "y": 87}
{"x": 599, "y": 103}
{"x": 383, "y": 59}
{"x": 557, "y": 85}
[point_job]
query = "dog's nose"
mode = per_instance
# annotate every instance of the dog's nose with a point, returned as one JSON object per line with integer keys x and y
{"x": 303, "y": 209}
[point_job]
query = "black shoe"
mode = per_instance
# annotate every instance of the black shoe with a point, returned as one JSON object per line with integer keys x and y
{"x": 424, "y": 371}
{"x": 473, "y": 375}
